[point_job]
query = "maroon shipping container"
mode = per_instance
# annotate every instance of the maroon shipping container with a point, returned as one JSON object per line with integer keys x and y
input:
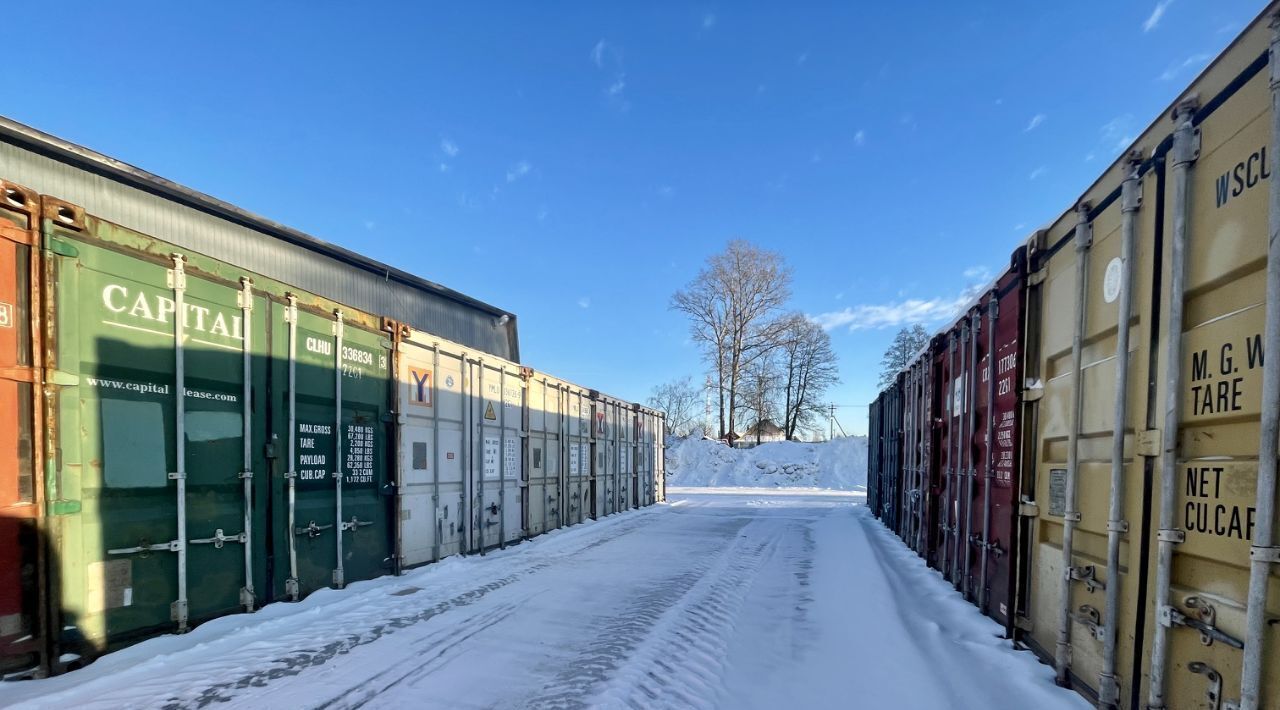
{"x": 916, "y": 451}
{"x": 939, "y": 455}
{"x": 991, "y": 503}
{"x": 968, "y": 483}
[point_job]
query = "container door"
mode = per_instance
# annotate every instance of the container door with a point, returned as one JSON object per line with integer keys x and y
{"x": 543, "y": 504}
{"x": 1002, "y": 422}
{"x": 497, "y": 411}
{"x": 333, "y": 525}
{"x": 22, "y": 633}
{"x": 1220, "y": 400}
{"x": 1054, "y": 386}
{"x": 939, "y": 457}
{"x": 512, "y": 471}
{"x": 419, "y": 469}
{"x": 153, "y": 489}
{"x": 578, "y": 482}
{"x": 451, "y": 455}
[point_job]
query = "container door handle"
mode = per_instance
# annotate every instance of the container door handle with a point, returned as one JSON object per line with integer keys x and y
{"x": 311, "y": 530}
{"x": 219, "y": 539}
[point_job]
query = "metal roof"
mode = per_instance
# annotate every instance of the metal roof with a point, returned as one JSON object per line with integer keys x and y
{"x": 134, "y": 198}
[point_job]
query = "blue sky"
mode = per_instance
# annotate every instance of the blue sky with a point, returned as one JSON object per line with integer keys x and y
{"x": 576, "y": 163}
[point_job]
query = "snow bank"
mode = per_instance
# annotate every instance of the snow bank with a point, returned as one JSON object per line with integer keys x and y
{"x": 839, "y": 464}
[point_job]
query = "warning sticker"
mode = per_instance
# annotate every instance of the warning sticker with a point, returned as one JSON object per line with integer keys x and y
{"x": 6, "y": 315}
{"x": 488, "y": 411}
{"x": 600, "y": 423}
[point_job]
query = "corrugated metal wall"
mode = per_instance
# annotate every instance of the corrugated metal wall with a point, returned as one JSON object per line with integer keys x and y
{"x": 441, "y": 313}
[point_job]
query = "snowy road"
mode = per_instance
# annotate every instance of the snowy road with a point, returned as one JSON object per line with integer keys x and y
{"x": 734, "y": 599}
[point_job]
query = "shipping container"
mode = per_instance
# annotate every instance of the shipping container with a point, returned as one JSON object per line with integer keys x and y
{"x": 183, "y": 437}
{"x": 23, "y": 547}
{"x": 461, "y": 460}
{"x": 219, "y": 438}
{"x": 1114, "y": 428}
{"x": 1148, "y": 450}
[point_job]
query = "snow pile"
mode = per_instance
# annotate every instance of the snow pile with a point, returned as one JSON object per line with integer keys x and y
{"x": 839, "y": 464}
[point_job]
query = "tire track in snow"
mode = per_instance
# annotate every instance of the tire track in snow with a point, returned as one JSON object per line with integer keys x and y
{"x": 617, "y": 669}
{"x": 301, "y": 660}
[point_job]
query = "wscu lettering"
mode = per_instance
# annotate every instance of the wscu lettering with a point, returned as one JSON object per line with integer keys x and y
{"x": 1245, "y": 175}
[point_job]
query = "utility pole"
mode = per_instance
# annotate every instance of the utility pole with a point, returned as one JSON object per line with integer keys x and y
{"x": 831, "y": 423}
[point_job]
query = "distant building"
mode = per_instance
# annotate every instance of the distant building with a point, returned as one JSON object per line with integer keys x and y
{"x": 768, "y": 431}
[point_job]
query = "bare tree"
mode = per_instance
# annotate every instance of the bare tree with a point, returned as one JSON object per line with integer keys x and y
{"x": 679, "y": 399}
{"x": 731, "y": 306}
{"x": 760, "y": 390}
{"x": 905, "y": 345}
{"x": 808, "y": 365}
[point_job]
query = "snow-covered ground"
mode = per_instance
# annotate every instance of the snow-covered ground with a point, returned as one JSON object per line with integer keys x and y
{"x": 732, "y": 599}
{"x": 839, "y": 464}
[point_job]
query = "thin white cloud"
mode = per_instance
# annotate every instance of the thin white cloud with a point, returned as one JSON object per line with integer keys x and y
{"x": 584, "y": 302}
{"x": 977, "y": 273}
{"x": 666, "y": 190}
{"x": 1038, "y": 172}
{"x": 708, "y": 20}
{"x": 1156, "y": 15}
{"x": 800, "y": 60}
{"x": 607, "y": 56}
{"x": 1117, "y": 134}
{"x": 444, "y": 167}
{"x": 1088, "y": 157}
{"x": 370, "y": 225}
{"x": 860, "y": 138}
{"x": 1019, "y": 227}
{"x": 1195, "y": 61}
{"x": 1035, "y": 121}
{"x": 900, "y": 313}
{"x": 449, "y": 147}
{"x": 542, "y": 213}
{"x": 519, "y": 170}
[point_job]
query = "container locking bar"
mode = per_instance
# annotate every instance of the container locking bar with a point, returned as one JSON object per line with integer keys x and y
{"x": 339, "y": 574}
{"x": 311, "y": 530}
{"x": 177, "y": 280}
{"x": 353, "y": 524}
{"x": 219, "y": 539}
{"x": 1169, "y": 617}
{"x": 143, "y": 546}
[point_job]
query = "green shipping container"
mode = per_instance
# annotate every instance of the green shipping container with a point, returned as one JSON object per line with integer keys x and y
{"x": 194, "y": 481}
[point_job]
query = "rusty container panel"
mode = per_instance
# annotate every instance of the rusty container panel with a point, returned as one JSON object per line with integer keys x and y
{"x": 23, "y": 633}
